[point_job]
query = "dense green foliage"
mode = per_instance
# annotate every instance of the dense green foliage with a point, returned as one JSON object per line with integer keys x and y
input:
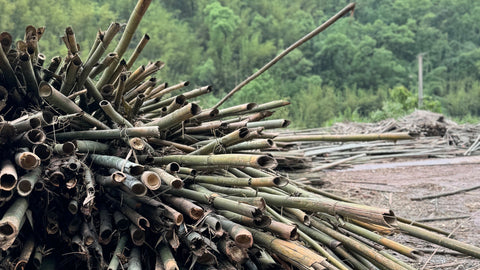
{"x": 363, "y": 67}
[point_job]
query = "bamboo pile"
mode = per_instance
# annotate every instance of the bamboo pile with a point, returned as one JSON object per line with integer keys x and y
{"x": 104, "y": 167}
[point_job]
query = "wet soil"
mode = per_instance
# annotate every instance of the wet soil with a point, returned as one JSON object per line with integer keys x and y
{"x": 393, "y": 185}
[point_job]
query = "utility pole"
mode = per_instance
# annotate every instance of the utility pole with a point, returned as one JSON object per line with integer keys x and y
{"x": 420, "y": 80}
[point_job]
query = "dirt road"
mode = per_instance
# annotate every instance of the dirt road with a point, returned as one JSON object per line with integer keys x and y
{"x": 393, "y": 184}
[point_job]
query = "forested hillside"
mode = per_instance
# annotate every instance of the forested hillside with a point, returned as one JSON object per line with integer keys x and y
{"x": 363, "y": 67}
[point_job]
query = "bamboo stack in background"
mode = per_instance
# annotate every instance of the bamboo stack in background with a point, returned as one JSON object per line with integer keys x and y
{"x": 104, "y": 167}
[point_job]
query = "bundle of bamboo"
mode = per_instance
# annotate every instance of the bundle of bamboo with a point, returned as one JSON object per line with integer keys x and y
{"x": 110, "y": 173}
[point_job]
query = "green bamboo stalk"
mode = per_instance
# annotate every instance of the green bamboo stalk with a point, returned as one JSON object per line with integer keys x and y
{"x": 242, "y": 108}
{"x": 132, "y": 24}
{"x": 308, "y": 236}
{"x": 346, "y": 138}
{"x": 85, "y": 146}
{"x": 361, "y": 212}
{"x": 115, "y": 261}
{"x": 11, "y": 222}
{"x": 273, "y": 181}
{"x": 140, "y": 46}
{"x": 154, "y": 103}
{"x": 176, "y": 117}
{"x": 27, "y": 181}
{"x": 349, "y": 8}
{"x": 137, "y": 105}
{"x": 269, "y": 106}
{"x": 108, "y": 109}
{"x": 109, "y": 134}
{"x": 117, "y": 163}
{"x": 105, "y": 41}
{"x": 251, "y": 145}
{"x": 164, "y": 91}
{"x": 121, "y": 68}
{"x": 120, "y": 90}
{"x": 52, "y": 68}
{"x": 401, "y": 219}
{"x": 56, "y": 98}
{"x": 335, "y": 163}
{"x": 402, "y": 249}
{"x": 297, "y": 255}
{"x": 357, "y": 246}
{"x": 218, "y": 145}
{"x": 132, "y": 93}
{"x": 9, "y": 75}
{"x": 96, "y": 42}
{"x": 29, "y": 76}
{"x": 106, "y": 62}
{"x": 134, "y": 262}
{"x": 70, "y": 40}
{"x": 70, "y": 75}
{"x": 440, "y": 240}
{"x": 176, "y": 104}
{"x": 218, "y": 160}
{"x": 202, "y": 195}
{"x": 395, "y": 259}
{"x": 92, "y": 90}
{"x": 150, "y": 69}
{"x": 166, "y": 257}
{"x": 269, "y": 124}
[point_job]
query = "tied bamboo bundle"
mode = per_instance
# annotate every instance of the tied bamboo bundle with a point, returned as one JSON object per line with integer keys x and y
{"x": 124, "y": 173}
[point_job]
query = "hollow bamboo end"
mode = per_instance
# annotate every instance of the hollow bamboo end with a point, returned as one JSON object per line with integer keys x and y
{"x": 244, "y": 239}
{"x": 139, "y": 189}
{"x": 118, "y": 176}
{"x": 8, "y": 181}
{"x": 177, "y": 183}
{"x": 27, "y": 160}
{"x": 137, "y": 143}
{"x": 151, "y": 180}
{"x": 45, "y": 89}
{"x": 24, "y": 187}
{"x": 266, "y": 162}
{"x": 280, "y": 181}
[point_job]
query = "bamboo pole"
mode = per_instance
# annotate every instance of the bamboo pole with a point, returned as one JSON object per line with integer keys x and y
{"x": 349, "y": 8}
{"x": 117, "y": 163}
{"x": 115, "y": 261}
{"x": 11, "y": 222}
{"x": 440, "y": 240}
{"x": 221, "y": 160}
{"x": 27, "y": 182}
{"x": 109, "y": 134}
{"x": 132, "y": 24}
{"x": 357, "y": 246}
{"x": 361, "y": 212}
{"x": 64, "y": 103}
{"x": 167, "y": 259}
{"x": 273, "y": 181}
{"x": 346, "y": 138}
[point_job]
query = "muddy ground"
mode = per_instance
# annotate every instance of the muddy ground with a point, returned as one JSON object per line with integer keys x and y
{"x": 393, "y": 184}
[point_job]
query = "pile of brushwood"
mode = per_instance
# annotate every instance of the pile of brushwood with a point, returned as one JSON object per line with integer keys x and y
{"x": 103, "y": 168}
